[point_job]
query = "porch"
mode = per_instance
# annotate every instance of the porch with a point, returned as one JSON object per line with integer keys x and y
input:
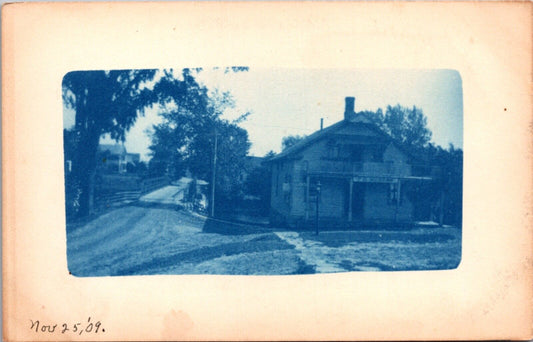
{"x": 361, "y": 193}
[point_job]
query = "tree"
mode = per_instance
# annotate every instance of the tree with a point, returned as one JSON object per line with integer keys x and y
{"x": 185, "y": 140}
{"x": 140, "y": 168}
{"x": 407, "y": 126}
{"x": 448, "y": 182}
{"x": 443, "y": 195}
{"x": 290, "y": 140}
{"x": 232, "y": 148}
{"x": 72, "y": 186}
{"x": 105, "y": 102}
{"x": 259, "y": 183}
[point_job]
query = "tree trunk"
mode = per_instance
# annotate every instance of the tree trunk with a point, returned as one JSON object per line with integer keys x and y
{"x": 85, "y": 168}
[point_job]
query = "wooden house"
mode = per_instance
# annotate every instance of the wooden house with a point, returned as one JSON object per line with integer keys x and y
{"x": 353, "y": 171}
{"x": 115, "y": 158}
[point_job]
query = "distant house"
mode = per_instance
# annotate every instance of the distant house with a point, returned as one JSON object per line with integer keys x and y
{"x": 362, "y": 174}
{"x": 115, "y": 158}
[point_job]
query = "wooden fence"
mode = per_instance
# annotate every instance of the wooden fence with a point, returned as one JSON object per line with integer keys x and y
{"x": 152, "y": 184}
{"x": 110, "y": 197}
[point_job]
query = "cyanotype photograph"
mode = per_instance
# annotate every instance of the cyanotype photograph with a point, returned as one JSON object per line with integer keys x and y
{"x": 282, "y": 171}
{"x": 258, "y": 171}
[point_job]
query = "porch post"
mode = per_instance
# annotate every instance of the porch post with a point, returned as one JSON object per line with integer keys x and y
{"x": 398, "y": 189}
{"x": 307, "y": 198}
{"x": 350, "y": 200}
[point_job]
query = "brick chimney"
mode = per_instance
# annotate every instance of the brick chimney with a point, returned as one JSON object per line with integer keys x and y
{"x": 349, "y": 113}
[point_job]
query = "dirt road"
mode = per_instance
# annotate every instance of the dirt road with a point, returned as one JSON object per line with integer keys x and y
{"x": 153, "y": 236}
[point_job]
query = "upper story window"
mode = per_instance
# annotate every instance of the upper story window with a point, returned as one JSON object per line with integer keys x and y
{"x": 332, "y": 150}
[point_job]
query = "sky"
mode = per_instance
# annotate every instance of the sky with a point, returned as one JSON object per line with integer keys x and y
{"x": 292, "y": 101}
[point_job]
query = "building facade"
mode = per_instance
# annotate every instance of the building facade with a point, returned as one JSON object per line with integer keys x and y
{"x": 115, "y": 158}
{"x": 352, "y": 171}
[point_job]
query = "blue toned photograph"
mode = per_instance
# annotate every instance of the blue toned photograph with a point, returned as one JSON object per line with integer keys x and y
{"x": 262, "y": 171}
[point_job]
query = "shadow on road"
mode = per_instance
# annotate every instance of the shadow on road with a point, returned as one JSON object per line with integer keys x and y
{"x": 232, "y": 228}
{"x": 340, "y": 238}
{"x": 265, "y": 243}
{"x": 156, "y": 205}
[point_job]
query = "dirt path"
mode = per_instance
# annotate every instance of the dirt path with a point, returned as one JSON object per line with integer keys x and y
{"x": 154, "y": 237}
{"x": 138, "y": 240}
{"x": 313, "y": 253}
{"x": 165, "y": 195}
{"x": 388, "y": 250}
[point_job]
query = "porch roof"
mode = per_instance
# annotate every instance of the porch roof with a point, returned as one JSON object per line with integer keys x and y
{"x": 368, "y": 178}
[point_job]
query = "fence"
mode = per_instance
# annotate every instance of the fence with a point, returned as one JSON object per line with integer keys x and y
{"x": 108, "y": 196}
{"x": 116, "y": 198}
{"x": 151, "y": 184}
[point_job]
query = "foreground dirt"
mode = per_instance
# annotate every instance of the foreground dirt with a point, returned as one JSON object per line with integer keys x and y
{"x": 155, "y": 236}
{"x": 137, "y": 240}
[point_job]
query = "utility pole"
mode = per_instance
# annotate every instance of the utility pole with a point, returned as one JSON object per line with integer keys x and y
{"x": 213, "y": 176}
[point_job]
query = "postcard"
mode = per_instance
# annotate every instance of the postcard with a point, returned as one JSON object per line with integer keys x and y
{"x": 266, "y": 171}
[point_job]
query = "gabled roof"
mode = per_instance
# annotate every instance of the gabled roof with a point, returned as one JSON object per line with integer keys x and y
{"x": 361, "y": 119}
{"x": 310, "y": 139}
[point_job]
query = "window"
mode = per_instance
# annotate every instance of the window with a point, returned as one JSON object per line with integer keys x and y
{"x": 394, "y": 196}
{"x": 332, "y": 150}
{"x": 287, "y": 189}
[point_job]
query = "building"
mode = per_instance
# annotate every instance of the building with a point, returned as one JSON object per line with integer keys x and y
{"x": 115, "y": 158}
{"x": 359, "y": 175}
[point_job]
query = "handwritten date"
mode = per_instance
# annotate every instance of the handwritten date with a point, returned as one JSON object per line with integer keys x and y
{"x": 77, "y": 328}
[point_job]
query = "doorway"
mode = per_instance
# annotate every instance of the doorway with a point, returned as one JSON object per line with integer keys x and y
{"x": 358, "y": 200}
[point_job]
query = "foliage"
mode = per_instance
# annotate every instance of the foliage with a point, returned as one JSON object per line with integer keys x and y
{"x": 408, "y": 126}
{"x": 448, "y": 182}
{"x": 259, "y": 183}
{"x": 185, "y": 140}
{"x": 109, "y": 102}
{"x": 105, "y": 102}
{"x": 232, "y": 148}
{"x": 140, "y": 168}
{"x": 290, "y": 140}
{"x": 440, "y": 199}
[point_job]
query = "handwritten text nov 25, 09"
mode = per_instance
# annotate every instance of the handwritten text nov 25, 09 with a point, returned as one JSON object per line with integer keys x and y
{"x": 64, "y": 327}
